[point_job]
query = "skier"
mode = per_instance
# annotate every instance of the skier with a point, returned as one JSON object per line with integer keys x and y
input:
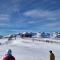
{"x": 52, "y": 56}
{"x": 9, "y": 56}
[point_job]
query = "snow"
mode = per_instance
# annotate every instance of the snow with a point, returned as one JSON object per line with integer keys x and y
{"x": 26, "y": 49}
{"x": 3, "y": 41}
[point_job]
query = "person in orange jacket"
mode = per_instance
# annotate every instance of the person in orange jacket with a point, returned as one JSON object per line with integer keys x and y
{"x": 9, "y": 56}
{"x": 52, "y": 56}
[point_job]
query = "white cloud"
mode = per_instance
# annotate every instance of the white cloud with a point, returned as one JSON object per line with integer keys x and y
{"x": 5, "y": 25}
{"x": 25, "y": 21}
{"x": 51, "y": 26}
{"x": 4, "y": 18}
{"x": 46, "y": 14}
{"x": 31, "y": 22}
{"x": 15, "y": 5}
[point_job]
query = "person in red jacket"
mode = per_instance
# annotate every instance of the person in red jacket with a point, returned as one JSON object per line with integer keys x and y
{"x": 9, "y": 56}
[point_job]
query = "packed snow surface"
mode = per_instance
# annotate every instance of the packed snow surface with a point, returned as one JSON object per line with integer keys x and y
{"x": 26, "y": 49}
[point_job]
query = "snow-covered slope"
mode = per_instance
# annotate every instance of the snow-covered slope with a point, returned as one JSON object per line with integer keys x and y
{"x": 26, "y": 49}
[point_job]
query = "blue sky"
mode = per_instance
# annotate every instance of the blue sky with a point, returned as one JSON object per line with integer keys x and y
{"x": 29, "y": 15}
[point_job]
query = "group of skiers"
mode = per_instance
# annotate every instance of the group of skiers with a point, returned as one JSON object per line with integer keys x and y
{"x": 9, "y": 56}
